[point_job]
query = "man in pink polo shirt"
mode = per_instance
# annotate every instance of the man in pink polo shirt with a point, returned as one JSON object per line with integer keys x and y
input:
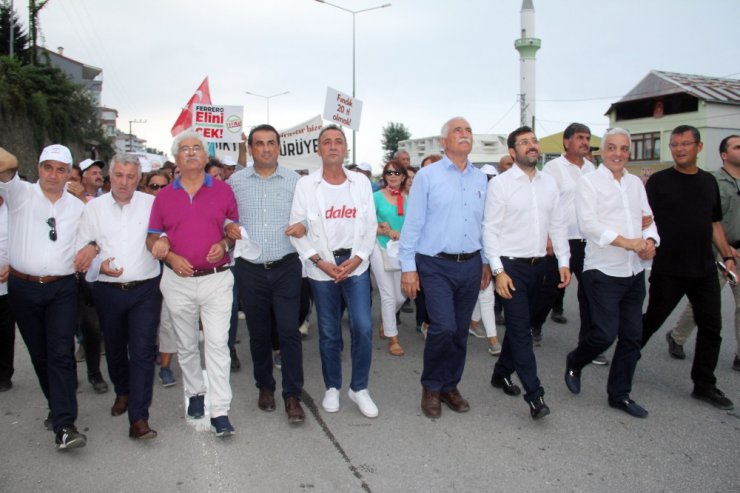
{"x": 186, "y": 231}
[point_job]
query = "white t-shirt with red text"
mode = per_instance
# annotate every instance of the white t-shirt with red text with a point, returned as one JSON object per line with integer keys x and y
{"x": 339, "y": 216}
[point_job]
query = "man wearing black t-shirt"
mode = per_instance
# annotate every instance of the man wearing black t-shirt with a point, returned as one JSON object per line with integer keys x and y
{"x": 686, "y": 204}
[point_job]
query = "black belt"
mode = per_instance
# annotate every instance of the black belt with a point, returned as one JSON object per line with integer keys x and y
{"x": 124, "y": 286}
{"x": 457, "y": 257}
{"x": 342, "y": 252}
{"x": 527, "y": 260}
{"x": 272, "y": 264}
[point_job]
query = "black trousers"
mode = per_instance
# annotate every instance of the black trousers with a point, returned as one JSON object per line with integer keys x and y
{"x": 7, "y": 339}
{"x": 704, "y": 294}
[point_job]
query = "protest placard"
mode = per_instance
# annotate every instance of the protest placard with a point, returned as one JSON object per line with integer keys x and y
{"x": 342, "y": 109}
{"x": 218, "y": 123}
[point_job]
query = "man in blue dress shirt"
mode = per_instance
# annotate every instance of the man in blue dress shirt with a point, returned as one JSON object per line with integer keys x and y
{"x": 441, "y": 250}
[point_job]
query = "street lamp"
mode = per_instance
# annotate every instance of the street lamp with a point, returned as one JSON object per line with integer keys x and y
{"x": 354, "y": 75}
{"x": 267, "y": 98}
{"x": 131, "y": 135}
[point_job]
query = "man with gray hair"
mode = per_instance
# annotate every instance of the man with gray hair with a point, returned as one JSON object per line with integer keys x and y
{"x": 440, "y": 248}
{"x": 610, "y": 204}
{"x": 126, "y": 293}
{"x": 43, "y": 222}
{"x": 402, "y": 157}
{"x": 186, "y": 231}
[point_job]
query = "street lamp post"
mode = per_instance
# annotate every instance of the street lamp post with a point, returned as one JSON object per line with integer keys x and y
{"x": 354, "y": 75}
{"x": 131, "y": 135}
{"x": 267, "y": 98}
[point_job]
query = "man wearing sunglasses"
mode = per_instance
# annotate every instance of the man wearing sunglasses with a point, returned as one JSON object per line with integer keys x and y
{"x": 42, "y": 285}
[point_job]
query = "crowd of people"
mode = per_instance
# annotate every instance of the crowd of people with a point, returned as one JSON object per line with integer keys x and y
{"x": 162, "y": 262}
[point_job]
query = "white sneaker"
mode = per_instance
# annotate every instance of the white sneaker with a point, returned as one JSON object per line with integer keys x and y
{"x": 303, "y": 329}
{"x": 364, "y": 402}
{"x": 331, "y": 400}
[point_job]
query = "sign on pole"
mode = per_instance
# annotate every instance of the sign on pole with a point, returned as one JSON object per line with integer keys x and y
{"x": 342, "y": 109}
{"x": 218, "y": 123}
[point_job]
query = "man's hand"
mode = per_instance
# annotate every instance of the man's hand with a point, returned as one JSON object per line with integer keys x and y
{"x": 410, "y": 284}
{"x": 233, "y": 231}
{"x": 4, "y": 273}
{"x": 84, "y": 257}
{"x": 297, "y": 230}
{"x": 76, "y": 189}
{"x": 485, "y": 279}
{"x": 549, "y": 251}
{"x": 106, "y": 269}
{"x": 649, "y": 252}
{"x": 216, "y": 252}
{"x": 161, "y": 248}
{"x": 564, "y": 277}
{"x": 646, "y": 221}
{"x": 504, "y": 286}
{"x": 329, "y": 269}
{"x": 180, "y": 265}
{"x": 347, "y": 267}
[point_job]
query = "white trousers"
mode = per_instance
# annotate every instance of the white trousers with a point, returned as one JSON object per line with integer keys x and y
{"x": 391, "y": 296}
{"x": 167, "y": 339}
{"x": 484, "y": 310}
{"x": 208, "y": 299}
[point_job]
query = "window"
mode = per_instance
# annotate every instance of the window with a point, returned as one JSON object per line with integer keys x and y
{"x": 645, "y": 147}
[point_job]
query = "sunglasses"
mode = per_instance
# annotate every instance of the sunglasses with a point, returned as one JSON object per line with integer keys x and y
{"x": 52, "y": 223}
{"x": 156, "y": 186}
{"x": 393, "y": 172}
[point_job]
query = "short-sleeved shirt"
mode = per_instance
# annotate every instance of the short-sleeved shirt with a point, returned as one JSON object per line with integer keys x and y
{"x": 194, "y": 224}
{"x": 685, "y": 206}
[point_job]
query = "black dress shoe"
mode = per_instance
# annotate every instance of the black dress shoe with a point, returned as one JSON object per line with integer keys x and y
{"x": 558, "y": 317}
{"x": 98, "y": 384}
{"x": 572, "y": 377}
{"x": 674, "y": 349}
{"x": 715, "y": 397}
{"x": 5, "y": 385}
{"x": 506, "y": 384}
{"x": 235, "y": 363}
{"x": 538, "y": 409}
{"x": 630, "y": 407}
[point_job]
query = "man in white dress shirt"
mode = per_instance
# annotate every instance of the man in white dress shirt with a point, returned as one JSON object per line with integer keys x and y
{"x": 610, "y": 204}
{"x": 126, "y": 293}
{"x": 43, "y": 222}
{"x": 522, "y": 209}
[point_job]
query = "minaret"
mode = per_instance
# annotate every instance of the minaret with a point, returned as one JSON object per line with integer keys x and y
{"x": 527, "y": 46}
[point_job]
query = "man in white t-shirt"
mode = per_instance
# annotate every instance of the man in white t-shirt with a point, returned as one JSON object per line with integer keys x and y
{"x": 339, "y": 213}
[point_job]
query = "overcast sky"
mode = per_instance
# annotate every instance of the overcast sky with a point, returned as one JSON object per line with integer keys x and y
{"x": 419, "y": 62}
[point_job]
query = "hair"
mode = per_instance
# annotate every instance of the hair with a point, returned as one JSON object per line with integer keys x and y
{"x": 332, "y": 127}
{"x": 726, "y": 143}
{"x": 399, "y": 152}
{"x": 213, "y": 163}
{"x": 616, "y": 131}
{"x": 398, "y": 167}
{"x": 125, "y": 158}
{"x": 432, "y": 158}
{"x": 511, "y": 140}
{"x": 76, "y": 167}
{"x": 168, "y": 165}
{"x": 682, "y": 129}
{"x": 446, "y": 127}
{"x": 265, "y": 127}
{"x": 188, "y": 134}
{"x": 159, "y": 172}
{"x": 575, "y": 128}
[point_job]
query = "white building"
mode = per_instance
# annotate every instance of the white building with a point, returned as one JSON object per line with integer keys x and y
{"x": 487, "y": 148}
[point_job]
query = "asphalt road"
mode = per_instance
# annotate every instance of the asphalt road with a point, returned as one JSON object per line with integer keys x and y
{"x": 584, "y": 445}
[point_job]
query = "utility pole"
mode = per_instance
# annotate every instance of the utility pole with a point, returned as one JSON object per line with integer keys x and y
{"x": 131, "y": 135}
{"x": 10, "y": 30}
{"x": 33, "y": 12}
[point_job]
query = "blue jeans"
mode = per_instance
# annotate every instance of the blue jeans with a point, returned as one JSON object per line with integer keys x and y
{"x": 328, "y": 296}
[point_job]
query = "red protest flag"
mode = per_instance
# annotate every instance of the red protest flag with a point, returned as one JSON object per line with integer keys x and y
{"x": 185, "y": 120}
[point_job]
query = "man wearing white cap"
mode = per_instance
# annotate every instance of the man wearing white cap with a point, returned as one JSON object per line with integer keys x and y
{"x": 92, "y": 178}
{"x": 43, "y": 222}
{"x": 229, "y": 166}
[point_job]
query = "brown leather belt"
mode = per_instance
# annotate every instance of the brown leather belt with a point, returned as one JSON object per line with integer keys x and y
{"x": 200, "y": 273}
{"x": 38, "y": 279}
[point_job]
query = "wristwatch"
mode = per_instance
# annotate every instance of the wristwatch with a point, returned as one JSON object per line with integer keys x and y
{"x": 498, "y": 271}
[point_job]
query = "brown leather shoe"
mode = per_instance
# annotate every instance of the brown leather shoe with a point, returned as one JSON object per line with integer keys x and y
{"x": 266, "y": 401}
{"x": 430, "y": 405}
{"x": 455, "y": 401}
{"x": 140, "y": 430}
{"x": 294, "y": 410}
{"x": 120, "y": 406}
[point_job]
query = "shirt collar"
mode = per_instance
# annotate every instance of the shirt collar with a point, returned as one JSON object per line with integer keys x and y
{"x": 208, "y": 181}
{"x": 519, "y": 174}
{"x": 449, "y": 164}
{"x": 603, "y": 169}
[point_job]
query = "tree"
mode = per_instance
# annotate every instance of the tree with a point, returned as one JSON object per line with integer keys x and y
{"x": 8, "y": 19}
{"x": 393, "y": 133}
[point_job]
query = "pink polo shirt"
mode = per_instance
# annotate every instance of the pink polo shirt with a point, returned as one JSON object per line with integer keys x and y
{"x": 194, "y": 224}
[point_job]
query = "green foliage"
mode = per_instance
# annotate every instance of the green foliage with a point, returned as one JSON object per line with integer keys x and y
{"x": 9, "y": 18}
{"x": 58, "y": 110}
{"x": 393, "y": 133}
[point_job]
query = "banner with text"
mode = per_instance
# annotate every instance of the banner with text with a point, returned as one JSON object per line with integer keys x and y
{"x": 342, "y": 109}
{"x": 299, "y": 145}
{"x": 218, "y": 123}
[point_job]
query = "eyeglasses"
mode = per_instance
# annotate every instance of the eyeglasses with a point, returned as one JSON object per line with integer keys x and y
{"x": 52, "y": 223}
{"x": 393, "y": 172}
{"x": 526, "y": 142}
{"x": 156, "y": 186}
{"x": 190, "y": 149}
{"x": 676, "y": 145}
